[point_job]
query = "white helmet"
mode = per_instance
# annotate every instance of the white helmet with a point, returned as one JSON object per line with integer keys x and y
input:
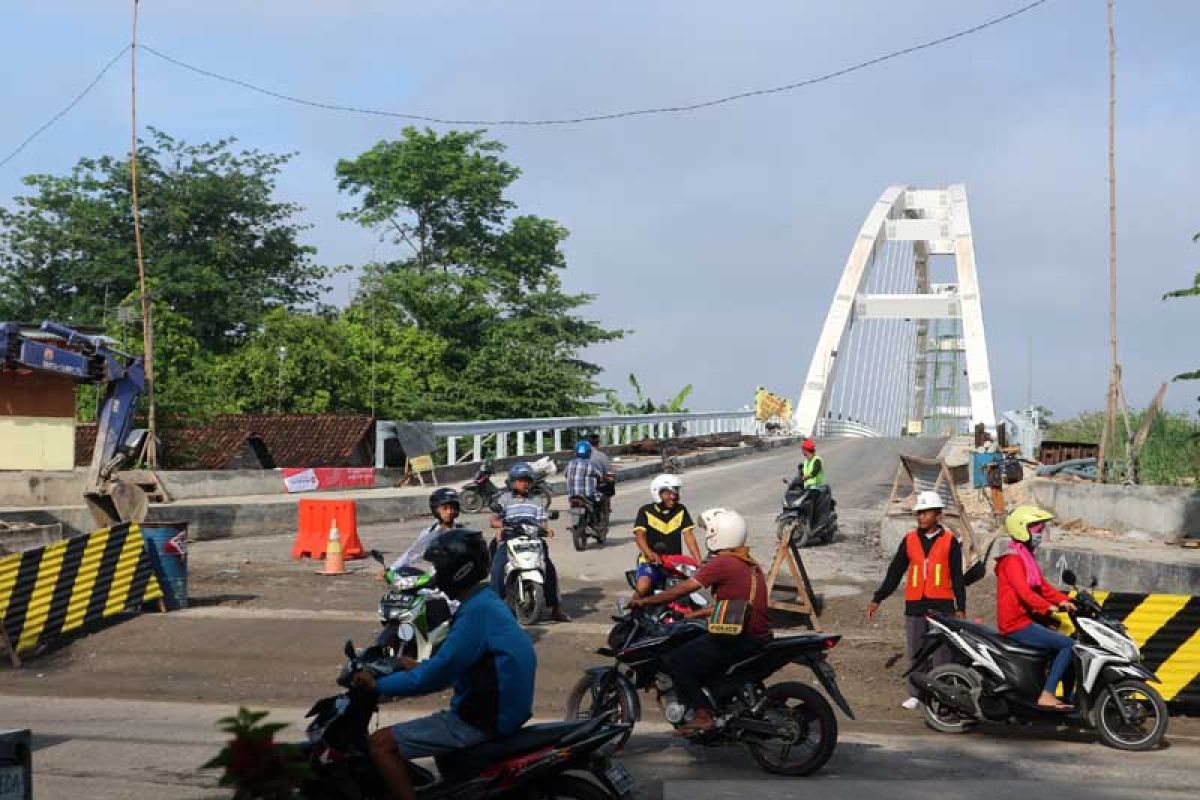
{"x": 664, "y": 481}
{"x": 726, "y": 528}
{"x": 927, "y": 501}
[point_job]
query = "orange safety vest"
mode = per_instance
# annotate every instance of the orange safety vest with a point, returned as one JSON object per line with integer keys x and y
{"x": 928, "y": 575}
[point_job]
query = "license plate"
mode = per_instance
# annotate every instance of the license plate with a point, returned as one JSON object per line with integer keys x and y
{"x": 620, "y": 779}
{"x": 12, "y": 783}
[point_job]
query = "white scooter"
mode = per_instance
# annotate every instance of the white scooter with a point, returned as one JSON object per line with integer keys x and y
{"x": 525, "y": 571}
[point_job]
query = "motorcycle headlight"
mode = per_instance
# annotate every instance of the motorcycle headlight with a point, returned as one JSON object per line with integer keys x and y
{"x": 406, "y": 582}
{"x": 406, "y": 632}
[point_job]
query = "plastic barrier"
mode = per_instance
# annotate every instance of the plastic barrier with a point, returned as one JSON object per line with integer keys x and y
{"x": 316, "y": 516}
{"x": 59, "y": 588}
{"x": 16, "y": 767}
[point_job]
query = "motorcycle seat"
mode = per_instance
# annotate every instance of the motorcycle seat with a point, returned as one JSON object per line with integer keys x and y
{"x": 803, "y": 639}
{"x": 474, "y": 760}
{"x": 992, "y": 635}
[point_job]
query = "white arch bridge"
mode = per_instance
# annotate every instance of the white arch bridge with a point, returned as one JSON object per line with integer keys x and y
{"x": 902, "y": 350}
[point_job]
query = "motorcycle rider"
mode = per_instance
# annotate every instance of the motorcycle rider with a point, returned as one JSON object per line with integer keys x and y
{"x": 584, "y": 476}
{"x": 931, "y": 557}
{"x": 669, "y": 523}
{"x": 445, "y": 507}
{"x": 516, "y": 504}
{"x": 487, "y": 657}
{"x": 608, "y": 486}
{"x": 1023, "y": 596}
{"x": 732, "y": 575}
{"x": 812, "y": 468}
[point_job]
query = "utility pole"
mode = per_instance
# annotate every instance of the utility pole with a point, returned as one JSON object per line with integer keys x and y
{"x": 1108, "y": 437}
{"x": 151, "y": 453}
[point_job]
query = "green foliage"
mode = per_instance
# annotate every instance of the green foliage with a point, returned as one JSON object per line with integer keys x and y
{"x": 254, "y": 764}
{"x": 643, "y": 404}
{"x": 1171, "y": 454}
{"x": 221, "y": 249}
{"x": 1191, "y": 291}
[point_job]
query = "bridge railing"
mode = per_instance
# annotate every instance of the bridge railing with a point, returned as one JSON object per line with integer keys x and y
{"x": 845, "y": 428}
{"x": 531, "y": 436}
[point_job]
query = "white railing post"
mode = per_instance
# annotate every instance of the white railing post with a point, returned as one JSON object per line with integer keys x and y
{"x": 537, "y": 438}
{"x": 557, "y": 439}
{"x": 477, "y": 455}
{"x": 502, "y": 445}
{"x": 451, "y": 450}
{"x": 520, "y": 443}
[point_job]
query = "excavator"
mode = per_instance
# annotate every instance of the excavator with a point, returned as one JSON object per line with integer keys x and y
{"x": 87, "y": 359}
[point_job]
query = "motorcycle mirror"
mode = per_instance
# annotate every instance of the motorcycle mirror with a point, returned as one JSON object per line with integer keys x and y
{"x": 553, "y": 515}
{"x": 1069, "y": 578}
{"x": 349, "y": 649}
{"x": 378, "y": 556}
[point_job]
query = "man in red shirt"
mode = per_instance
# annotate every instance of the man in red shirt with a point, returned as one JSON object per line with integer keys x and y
{"x": 1023, "y": 596}
{"x": 731, "y": 574}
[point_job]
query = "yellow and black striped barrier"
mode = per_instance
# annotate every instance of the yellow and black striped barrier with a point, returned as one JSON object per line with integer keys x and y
{"x": 1166, "y": 628}
{"x": 59, "y": 588}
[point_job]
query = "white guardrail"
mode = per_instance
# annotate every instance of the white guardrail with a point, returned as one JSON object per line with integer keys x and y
{"x": 615, "y": 429}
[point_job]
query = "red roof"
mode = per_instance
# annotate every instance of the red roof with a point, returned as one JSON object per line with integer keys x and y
{"x": 293, "y": 440}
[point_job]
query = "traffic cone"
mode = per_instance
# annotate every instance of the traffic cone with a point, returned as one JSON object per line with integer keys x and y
{"x": 335, "y": 563}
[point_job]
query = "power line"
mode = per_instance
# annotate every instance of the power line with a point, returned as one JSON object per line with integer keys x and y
{"x": 679, "y": 109}
{"x": 66, "y": 109}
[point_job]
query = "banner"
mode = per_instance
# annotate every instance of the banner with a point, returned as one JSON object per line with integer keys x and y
{"x": 311, "y": 479}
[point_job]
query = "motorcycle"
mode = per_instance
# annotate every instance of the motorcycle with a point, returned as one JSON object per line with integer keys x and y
{"x": 808, "y": 515}
{"x": 570, "y": 760}
{"x": 789, "y": 728}
{"x": 525, "y": 571}
{"x": 481, "y": 493}
{"x": 415, "y": 616}
{"x": 678, "y": 569}
{"x": 999, "y": 679}
{"x": 588, "y": 521}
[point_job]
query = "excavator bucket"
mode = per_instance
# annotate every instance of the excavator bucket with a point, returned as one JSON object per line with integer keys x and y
{"x": 122, "y": 502}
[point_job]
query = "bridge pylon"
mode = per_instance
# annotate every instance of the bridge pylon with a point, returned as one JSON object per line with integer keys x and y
{"x": 902, "y": 349}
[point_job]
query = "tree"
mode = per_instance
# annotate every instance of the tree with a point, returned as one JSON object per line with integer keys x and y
{"x": 484, "y": 282}
{"x": 1191, "y": 291}
{"x": 221, "y": 249}
{"x": 643, "y": 404}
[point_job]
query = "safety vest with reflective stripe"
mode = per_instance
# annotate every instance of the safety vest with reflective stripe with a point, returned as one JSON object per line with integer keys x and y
{"x": 810, "y": 466}
{"x": 928, "y": 575}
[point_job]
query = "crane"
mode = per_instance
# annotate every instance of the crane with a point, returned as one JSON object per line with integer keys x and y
{"x": 88, "y": 359}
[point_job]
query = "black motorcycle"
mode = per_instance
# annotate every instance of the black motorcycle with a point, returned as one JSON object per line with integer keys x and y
{"x": 808, "y": 515}
{"x": 588, "y": 521}
{"x": 481, "y": 493}
{"x": 998, "y": 679}
{"x": 789, "y": 728}
{"x": 570, "y": 760}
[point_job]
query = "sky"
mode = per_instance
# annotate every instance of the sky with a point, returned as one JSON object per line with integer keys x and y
{"x": 717, "y": 237}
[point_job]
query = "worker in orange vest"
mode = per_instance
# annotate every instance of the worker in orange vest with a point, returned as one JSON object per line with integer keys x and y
{"x": 929, "y": 561}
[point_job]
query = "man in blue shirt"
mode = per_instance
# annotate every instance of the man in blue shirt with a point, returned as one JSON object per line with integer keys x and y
{"x": 513, "y": 506}
{"x": 487, "y": 657}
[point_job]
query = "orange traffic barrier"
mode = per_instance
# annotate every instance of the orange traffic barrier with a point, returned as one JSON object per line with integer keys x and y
{"x": 335, "y": 563}
{"x": 316, "y": 518}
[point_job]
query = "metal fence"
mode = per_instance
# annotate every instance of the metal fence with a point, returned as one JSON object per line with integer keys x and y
{"x": 535, "y": 436}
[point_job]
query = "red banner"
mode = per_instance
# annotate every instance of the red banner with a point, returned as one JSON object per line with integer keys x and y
{"x": 311, "y": 479}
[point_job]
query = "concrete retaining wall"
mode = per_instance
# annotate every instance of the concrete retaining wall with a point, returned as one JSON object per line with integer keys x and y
{"x": 277, "y": 513}
{"x": 1122, "y": 572}
{"x": 1164, "y": 512}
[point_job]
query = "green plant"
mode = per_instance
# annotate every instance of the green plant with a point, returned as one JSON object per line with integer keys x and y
{"x": 1171, "y": 454}
{"x": 256, "y": 765}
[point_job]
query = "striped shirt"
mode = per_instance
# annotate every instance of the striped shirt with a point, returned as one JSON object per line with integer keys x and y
{"x": 582, "y": 477}
{"x": 514, "y": 507}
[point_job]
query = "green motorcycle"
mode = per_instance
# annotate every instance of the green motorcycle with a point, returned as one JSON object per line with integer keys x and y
{"x": 415, "y": 616}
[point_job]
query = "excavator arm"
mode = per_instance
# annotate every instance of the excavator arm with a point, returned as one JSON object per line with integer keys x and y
{"x": 121, "y": 378}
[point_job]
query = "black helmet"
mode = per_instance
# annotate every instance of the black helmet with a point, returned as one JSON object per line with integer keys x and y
{"x": 520, "y": 470}
{"x": 460, "y": 558}
{"x": 443, "y": 497}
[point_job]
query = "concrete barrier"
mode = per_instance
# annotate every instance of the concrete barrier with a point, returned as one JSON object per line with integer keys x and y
{"x": 1149, "y": 569}
{"x": 276, "y": 513}
{"x": 1165, "y": 512}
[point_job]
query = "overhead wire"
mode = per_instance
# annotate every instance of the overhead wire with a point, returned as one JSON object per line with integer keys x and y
{"x": 599, "y": 117}
{"x": 67, "y": 108}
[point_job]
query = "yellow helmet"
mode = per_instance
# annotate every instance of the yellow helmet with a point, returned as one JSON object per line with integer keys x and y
{"x": 1018, "y": 522}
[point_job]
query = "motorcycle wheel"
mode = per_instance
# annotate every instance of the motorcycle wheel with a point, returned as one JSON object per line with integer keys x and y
{"x": 584, "y": 703}
{"x": 816, "y": 730}
{"x": 571, "y": 787}
{"x": 941, "y": 717}
{"x": 471, "y": 500}
{"x": 801, "y": 533}
{"x": 579, "y": 538}
{"x": 1149, "y": 712}
{"x": 530, "y": 612}
{"x": 783, "y": 532}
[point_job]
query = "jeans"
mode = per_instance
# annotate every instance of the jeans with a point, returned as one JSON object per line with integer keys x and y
{"x": 1041, "y": 638}
{"x": 915, "y": 629}
{"x": 702, "y": 658}
{"x": 500, "y": 559}
{"x": 435, "y": 735}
